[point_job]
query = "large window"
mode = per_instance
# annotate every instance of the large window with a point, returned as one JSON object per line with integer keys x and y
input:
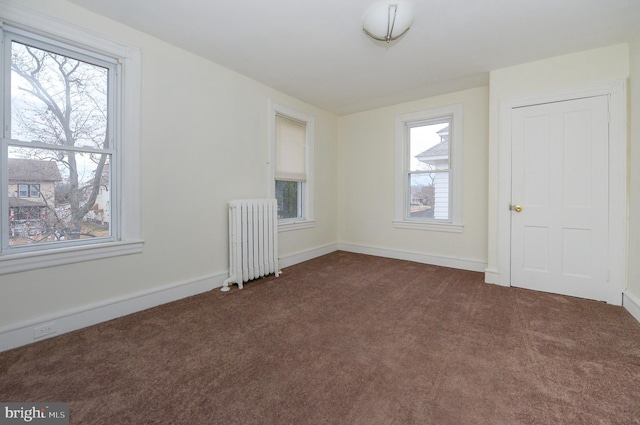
{"x": 63, "y": 183}
{"x": 428, "y": 174}
{"x": 292, "y": 147}
{"x": 58, "y": 127}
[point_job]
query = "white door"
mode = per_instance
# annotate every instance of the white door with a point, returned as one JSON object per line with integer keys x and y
{"x": 559, "y": 218}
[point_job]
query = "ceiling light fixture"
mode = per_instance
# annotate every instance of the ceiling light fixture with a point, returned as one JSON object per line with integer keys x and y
{"x": 388, "y": 22}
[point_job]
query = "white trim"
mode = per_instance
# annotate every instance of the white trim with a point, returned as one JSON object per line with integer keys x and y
{"x": 421, "y": 225}
{"x": 128, "y": 210}
{"x": 436, "y": 260}
{"x": 285, "y": 226}
{"x": 306, "y": 255}
{"x": 456, "y": 143}
{"x": 20, "y": 334}
{"x": 616, "y": 91}
{"x": 632, "y": 304}
{"x": 493, "y": 276}
{"x": 13, "y": 263}
{"x": 130, "y": 185}
{"x": 308, "y": 191}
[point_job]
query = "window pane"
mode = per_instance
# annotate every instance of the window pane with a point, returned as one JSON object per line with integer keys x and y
{"x": 289, "y": 198}
{"x": 34, "y": 190}
{"x": 422, "y": 195}
{"x": 429, "y": 146}
{"x": 429, "y": 196}
{"x": 56, "y": 99}
{"x": 69, "y": 203}
{"x": 23, "y": 190}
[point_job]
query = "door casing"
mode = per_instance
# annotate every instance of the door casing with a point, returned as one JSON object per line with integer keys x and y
{"x": 618, "y": 203}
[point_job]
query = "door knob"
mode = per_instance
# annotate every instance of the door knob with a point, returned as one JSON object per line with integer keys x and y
{"x": 517, "y": 208}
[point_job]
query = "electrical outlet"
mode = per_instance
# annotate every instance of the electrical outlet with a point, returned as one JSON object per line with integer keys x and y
{"x": 44, "y": 330}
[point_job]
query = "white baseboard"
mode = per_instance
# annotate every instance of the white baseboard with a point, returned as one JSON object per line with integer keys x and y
{"x": 309, "y": 254}
{"x": 632, "y": 304}
{"x": 494, "y": 277}
{"x": 453, "y": 262}
{"x": 24, "y": 333}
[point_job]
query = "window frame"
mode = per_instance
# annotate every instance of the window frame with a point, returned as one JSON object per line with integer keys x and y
{"x": 402, "y": 194}
{"x": 127, "y": 235}
{"x": 31, "y": 190}
{"x": 306, "y": 199}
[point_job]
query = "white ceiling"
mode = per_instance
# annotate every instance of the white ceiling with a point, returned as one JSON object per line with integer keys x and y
{"x": 315, "y": 50}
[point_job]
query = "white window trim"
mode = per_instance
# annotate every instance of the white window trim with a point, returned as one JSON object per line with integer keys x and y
{"x": 401, "y": 194}
{"x": 128, "y": 96}
{"x": 307, "y": 191}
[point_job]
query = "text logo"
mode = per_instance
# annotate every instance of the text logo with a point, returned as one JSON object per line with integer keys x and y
{"x": 34, "y": 413}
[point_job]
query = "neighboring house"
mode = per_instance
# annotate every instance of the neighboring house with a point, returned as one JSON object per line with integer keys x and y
{"x": 31, "y": 188}
{"x": 437, "y": 157}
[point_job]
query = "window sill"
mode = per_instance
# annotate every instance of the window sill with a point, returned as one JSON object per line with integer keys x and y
{"x": 295, "y": 225}
{"x": 24, "y": 261}
{"x": 421, "y": 225}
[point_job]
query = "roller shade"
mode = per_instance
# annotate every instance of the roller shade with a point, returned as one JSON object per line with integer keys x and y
{"x": 291, "y": 149}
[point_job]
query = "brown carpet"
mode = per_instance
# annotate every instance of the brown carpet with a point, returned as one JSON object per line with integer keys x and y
{"x": 345, "y": 339}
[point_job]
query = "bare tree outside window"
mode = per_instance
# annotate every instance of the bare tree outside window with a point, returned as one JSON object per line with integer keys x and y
{"x": 288, "y": 197}
{"x": 59, "y": 115}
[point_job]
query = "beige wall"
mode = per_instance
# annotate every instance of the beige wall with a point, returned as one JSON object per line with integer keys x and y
{"x": 633, "y": 274}
{"x": 367, "y": 185}
{"x": 204, "y": 127}
{"x": 562, "y": 74}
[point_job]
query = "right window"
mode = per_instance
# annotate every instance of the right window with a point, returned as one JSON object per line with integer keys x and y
{"x": 428, "y": 169}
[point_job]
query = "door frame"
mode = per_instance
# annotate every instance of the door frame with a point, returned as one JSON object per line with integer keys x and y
{"x": 618, "y": 199}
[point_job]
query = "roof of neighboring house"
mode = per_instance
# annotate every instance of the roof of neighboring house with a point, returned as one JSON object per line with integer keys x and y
{"x": 441, "y": 150}
{"x": 33, "y": 170}
{"x": 15, "y": 202}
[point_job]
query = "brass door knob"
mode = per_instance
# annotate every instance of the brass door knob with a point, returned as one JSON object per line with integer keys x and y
{"x": 517, "y": 208}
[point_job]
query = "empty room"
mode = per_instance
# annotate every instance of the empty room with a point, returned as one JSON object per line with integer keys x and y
{"x": 407, "y": 212}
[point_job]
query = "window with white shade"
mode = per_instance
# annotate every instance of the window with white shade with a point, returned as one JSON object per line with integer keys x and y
{"x": 292, "y": 147}
{"x": 428, "y": 169}
{"x": 291, "y": 165}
